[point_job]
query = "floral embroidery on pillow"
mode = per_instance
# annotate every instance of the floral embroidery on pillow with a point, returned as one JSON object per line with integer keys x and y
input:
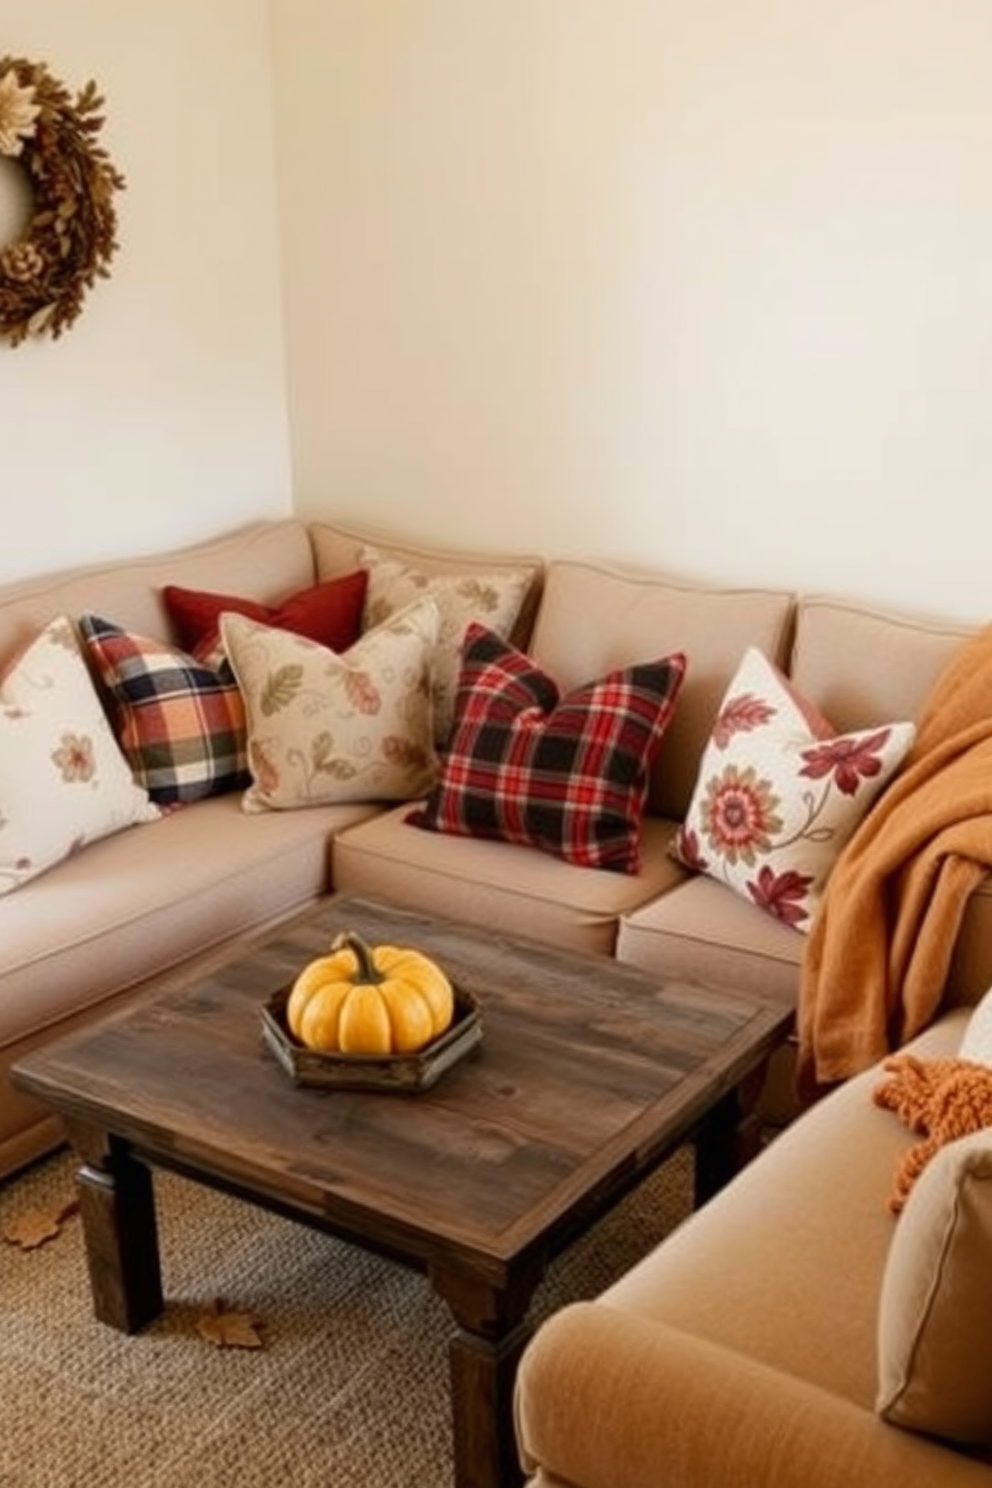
{"x": 325, "y": 728}
{"x": 64, "y": 781}
{"x": 779, "y": 794}
{"x": 491, "y": 598}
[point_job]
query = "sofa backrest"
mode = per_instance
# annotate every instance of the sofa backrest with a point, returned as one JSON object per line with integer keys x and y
{"x": 864, "y": 666}
{"x": 264, "y": 560}
{"x": 337, "y": 550}
{"x": 594, "y": 618}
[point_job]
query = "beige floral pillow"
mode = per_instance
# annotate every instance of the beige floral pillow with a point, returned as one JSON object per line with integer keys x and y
{"x": 63, "y": 779}
{"x": 325, "y": 728}
{"x": 493, "y": 599}
{"x": 779, "y": 792}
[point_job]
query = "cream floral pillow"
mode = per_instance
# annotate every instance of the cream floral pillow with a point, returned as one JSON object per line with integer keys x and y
{"x": 779, "y": 792}
{"x": 493, "y": 599}
{"x": 63, "y": 779}
{"x": 326, "y": 728}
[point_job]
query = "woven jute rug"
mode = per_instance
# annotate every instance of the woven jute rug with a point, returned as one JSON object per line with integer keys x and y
{"x": 348, "y": 1390}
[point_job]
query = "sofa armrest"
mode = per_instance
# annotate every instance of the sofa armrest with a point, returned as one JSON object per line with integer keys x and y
{"x": 605, "y": 1399}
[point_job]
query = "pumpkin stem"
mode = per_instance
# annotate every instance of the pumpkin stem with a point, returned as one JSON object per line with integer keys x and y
{"x": 366, "y": 970}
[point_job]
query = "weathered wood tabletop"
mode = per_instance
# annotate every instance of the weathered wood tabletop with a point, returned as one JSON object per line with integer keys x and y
{"x": 588, "y": 1074}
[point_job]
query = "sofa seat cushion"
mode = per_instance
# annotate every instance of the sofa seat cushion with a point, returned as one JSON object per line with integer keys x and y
{"x": 774, "y": 1267}
{"x": 157, "y": 899}
{"x": 139, "y": 903}
{"x": 702, "y": 931}
{"x": 502, "y": 885}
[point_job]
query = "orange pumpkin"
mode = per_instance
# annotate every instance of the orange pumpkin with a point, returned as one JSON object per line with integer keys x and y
{"x": 372, "y": 1001}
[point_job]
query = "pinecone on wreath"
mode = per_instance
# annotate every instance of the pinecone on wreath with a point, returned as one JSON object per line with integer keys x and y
{"x": 22, "y": 262}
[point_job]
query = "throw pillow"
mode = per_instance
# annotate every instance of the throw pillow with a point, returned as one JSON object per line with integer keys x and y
{"x": 180, "y": 723}
{"x": 779, "y": 792}
{"x": 934, "y": 1340}
{"x": 63, "y": 780}
{"x": 330, "y": 613}
{"x": 325, "y": 728}
{"x": 566, "y": 774}
{"x": 493, "y": 599}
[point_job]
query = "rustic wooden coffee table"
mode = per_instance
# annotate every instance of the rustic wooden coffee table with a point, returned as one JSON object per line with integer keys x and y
{"x": 589, "y": 1073}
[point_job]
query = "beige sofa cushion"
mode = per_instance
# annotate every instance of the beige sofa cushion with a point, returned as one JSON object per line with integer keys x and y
{"x": 702, "y": 931}
{"x": 339, "y": 550}
{"x": 971, "y": 964}
{"x": 934, "y": 1332}
{"x": 774, "y": 1267}
{"x": 265, "y": 560}
{"x": 506, "y": 887}
{"x": 608, "y": 1400}
{"x": 593, "y": 619}
{"x": 863, "y": 666}
{"x": 139, "y": 905}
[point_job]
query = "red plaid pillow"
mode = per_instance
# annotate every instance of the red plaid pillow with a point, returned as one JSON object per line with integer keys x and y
{"x": 566, "y": 774}
{"x": 180, "y": 723}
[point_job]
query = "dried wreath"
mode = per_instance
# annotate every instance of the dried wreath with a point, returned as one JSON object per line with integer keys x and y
{"x": 71, "y": 236}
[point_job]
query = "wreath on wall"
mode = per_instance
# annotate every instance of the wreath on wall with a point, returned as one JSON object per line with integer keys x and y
{"x": 72, "y": 234}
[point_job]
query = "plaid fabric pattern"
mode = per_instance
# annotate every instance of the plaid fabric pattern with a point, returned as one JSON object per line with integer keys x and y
{"x": 566, "y": 774}
{"x": 180, "y": 723}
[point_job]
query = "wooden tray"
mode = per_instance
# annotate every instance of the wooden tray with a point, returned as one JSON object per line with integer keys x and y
{"x": 403, "y": 1072}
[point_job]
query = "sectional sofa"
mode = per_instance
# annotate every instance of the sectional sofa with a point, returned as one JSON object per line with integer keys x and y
{"x": 147, "y": 903}
{"x": 162, "y": 886}
{"x": 793, "y": 1331}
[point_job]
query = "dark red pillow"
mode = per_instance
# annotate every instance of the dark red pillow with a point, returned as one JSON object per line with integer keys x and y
{"x": 330, "y": 613}
{"x": 566, "y": 774}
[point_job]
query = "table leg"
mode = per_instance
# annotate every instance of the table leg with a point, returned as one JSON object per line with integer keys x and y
{"x": 483, "y": 1357}
{"x": 117, "y": 1208}
{"x": 729, "y": 1137}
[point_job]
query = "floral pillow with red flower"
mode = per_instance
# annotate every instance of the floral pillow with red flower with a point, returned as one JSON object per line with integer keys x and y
{"x": 779, "y": 792}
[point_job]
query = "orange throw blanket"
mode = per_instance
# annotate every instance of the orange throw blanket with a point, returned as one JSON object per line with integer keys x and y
{"x": 880, "y": 946}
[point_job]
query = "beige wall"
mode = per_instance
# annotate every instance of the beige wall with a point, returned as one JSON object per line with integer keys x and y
{"x": 160, "y": 416}
{"x": 704, "y": 283}
{"x": 700, "y": 282}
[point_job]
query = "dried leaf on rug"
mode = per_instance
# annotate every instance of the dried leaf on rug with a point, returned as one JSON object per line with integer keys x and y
{"x": 226, "y": 1329}
{"x": 35, "y": 1226}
